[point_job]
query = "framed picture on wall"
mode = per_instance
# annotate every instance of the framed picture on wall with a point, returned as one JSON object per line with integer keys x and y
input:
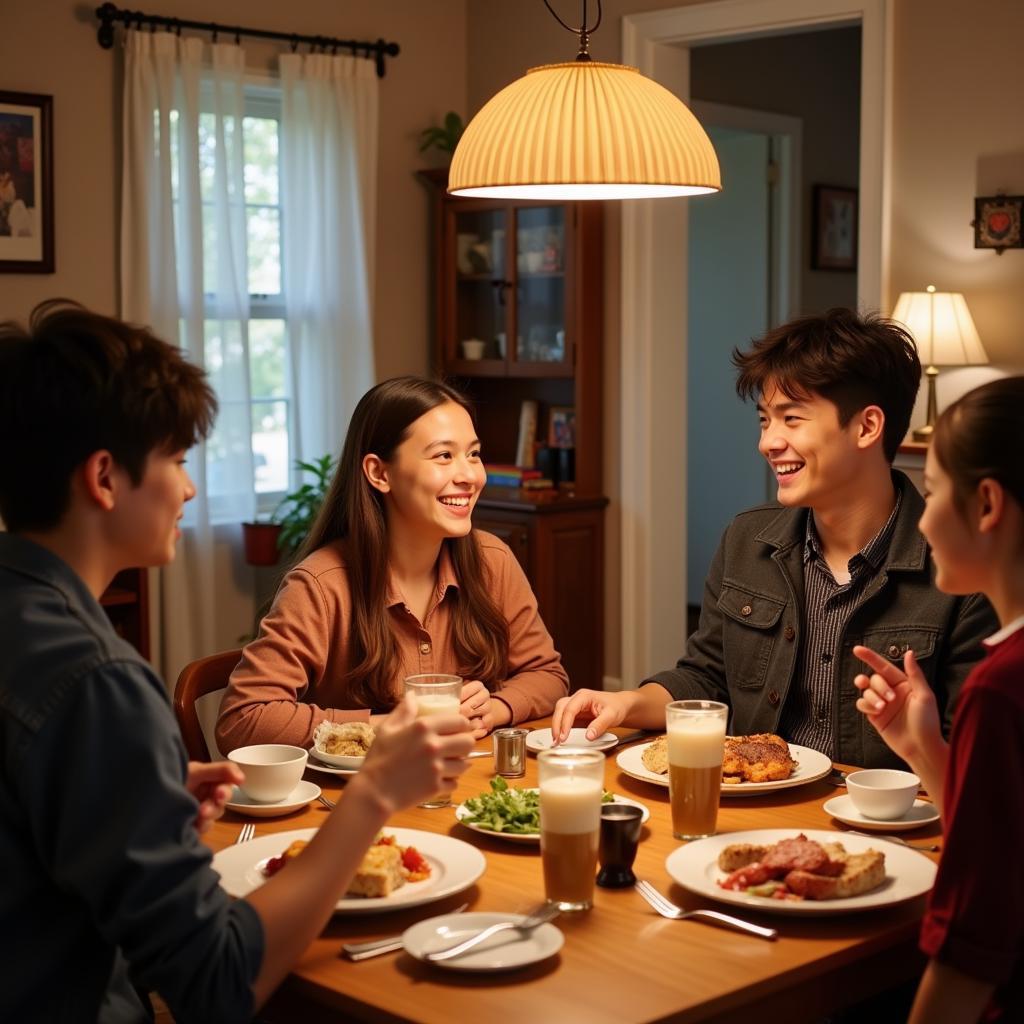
{"x": 562, "y": 427}
{"x": 997, "y": 222}
{"x": 834, "y": 228}
{"x": 26, "y": 183}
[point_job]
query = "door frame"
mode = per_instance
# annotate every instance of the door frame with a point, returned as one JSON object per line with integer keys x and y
{"x": 653, "y": 339}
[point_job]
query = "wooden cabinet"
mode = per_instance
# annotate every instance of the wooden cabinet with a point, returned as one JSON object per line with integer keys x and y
{"x": 126, "y": 602}
{"x": 518, "y": 318}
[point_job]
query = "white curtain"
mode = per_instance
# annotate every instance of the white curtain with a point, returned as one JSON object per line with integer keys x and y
{"x": 184, "y": 272}
{"x": 329, "y": 211}
{"x": 199, "y": 298}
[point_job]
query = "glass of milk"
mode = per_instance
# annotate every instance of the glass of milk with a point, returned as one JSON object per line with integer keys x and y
{"x": 436, "y": 694}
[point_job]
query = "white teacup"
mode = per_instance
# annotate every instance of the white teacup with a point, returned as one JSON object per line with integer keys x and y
{"x": 473, "y": 348}
{"x": 882, "y": 793}
{"x": 272, "y": 770}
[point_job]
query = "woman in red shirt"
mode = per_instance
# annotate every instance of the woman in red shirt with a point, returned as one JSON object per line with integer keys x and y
{"x": 973, "y": 930}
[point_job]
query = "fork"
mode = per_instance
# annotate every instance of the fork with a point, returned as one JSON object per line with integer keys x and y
{"x": 377, "y": 947}
{"x": 668, "y": 909}
{"x": 248, "y": 832}
{"x": 545, "y": 912}
{"x": 329, "y": 804}
{"x": 928, "y": 847}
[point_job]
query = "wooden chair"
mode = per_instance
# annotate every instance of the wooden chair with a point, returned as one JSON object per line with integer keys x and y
{"x": 197, "y": 701}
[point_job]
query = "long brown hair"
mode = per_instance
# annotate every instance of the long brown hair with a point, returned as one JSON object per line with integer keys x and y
{"x": 353, "y": 511}
{"x": 981, "y": 436}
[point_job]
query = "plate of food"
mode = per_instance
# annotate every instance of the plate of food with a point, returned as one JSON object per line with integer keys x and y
{"x": 507, "y": 812}
{"x": 782, "y": 871}
{"x": 762, "y": 763}
{"x": 405, "y": 867}
{"x": 342, "y": 744}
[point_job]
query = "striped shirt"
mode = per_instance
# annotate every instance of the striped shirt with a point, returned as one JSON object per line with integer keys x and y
{"x": 828, "y": 604}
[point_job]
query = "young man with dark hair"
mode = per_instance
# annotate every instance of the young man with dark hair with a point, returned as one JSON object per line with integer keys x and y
{"x": 108, "y": 888}
{"x": 838, "y": 561}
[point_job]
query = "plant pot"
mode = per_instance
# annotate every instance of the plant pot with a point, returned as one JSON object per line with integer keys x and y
{"x": 260, "y": 542}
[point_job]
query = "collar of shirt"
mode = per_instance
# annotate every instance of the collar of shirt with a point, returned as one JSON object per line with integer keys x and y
{"x": 873, "y": 553}
{"x": 1005, "y": 633}
{"x": 445, "y": 578}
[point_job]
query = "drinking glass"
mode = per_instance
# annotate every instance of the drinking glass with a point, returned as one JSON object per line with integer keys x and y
{"x": 571, "y": 787}
{"x": 696, "y": 744}
{"x": 436, "y": 694}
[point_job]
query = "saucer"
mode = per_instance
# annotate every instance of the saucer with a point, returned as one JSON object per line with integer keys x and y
{"x": 301, "y": 795}
{"x": 540, "y": 739}
{"x": 502, "y": 952}
{"x": 842, "y": 809}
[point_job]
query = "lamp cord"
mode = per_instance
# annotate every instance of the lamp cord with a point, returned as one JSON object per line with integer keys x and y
{"x": 582, "y": 31}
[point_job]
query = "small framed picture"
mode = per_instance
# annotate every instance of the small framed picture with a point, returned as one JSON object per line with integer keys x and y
{"x": 997, "y": 222}
{"x": 562, "y": 427}
{"x": 834, "y": 230}
{"x": 26, "y": 183}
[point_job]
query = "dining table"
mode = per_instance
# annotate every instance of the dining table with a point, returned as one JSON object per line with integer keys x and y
{"x": 620, "y": 962}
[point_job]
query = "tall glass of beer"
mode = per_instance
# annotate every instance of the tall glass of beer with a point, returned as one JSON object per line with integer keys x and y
{"x": 571, "y": 787}
{"x": 696, "y": 743}
{"x": 435, "y": 694}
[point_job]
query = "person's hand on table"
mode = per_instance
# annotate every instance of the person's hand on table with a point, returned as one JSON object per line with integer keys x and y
{"x": 211, "y": 785}
{"x": 899, "y": 703}
{"x": 602, "y": 710}
{"x": 484, "y": 712}
{"x": 413, "y": 758}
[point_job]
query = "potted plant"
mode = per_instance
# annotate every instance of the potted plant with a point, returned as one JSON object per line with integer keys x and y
{"x": 291, "y": 520}
{"x": 444, "y": 137}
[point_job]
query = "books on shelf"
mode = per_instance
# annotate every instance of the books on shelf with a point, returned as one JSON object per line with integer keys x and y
{"x": 499, "y": 475}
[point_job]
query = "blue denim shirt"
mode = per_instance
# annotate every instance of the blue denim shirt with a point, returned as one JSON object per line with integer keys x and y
{"x": 105, "y": 880}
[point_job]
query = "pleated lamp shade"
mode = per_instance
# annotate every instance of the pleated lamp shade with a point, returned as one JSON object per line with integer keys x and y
{"x": 942, "y": 327}
{"x": 584, "y": 130}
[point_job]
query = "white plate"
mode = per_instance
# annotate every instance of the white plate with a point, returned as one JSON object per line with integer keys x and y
{"x": 328, "y": 770}
{"x": 462, "y": 812}
{"x": 908, "y": 874}
{"x": 842, "y": 808}
{"x": 540, "y": 739}
{"x": 454, "y": 866}
{"x": 301, "y": 795}
{"x": 502, "y": 952}
{"x": 811, "y": 766}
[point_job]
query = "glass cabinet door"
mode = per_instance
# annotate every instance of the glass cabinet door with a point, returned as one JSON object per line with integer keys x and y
{"x": 540, "y": 255}
{"x": 481, "y": 291}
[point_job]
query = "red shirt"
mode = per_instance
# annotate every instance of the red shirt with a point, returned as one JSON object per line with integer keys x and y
{"x": 975, "y": 918}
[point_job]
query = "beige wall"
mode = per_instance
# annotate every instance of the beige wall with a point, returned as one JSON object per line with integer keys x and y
{"x": 50, "y": 47}
{"x": 957, "y": 134}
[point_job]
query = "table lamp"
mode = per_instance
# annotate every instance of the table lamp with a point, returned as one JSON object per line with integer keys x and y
{"x": 945, "y": 335}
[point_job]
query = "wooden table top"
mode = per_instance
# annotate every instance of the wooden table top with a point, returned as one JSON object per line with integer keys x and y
{"x": 620, "y": 962}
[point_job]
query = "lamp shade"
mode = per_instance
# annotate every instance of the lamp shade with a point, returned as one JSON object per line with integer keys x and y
{"x": 584, "y": 130}
{"x": 942, "y": 327}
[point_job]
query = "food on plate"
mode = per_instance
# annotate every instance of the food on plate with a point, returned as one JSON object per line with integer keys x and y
{"x": 800, "y": 869}
{"x": 386, "y": 866}
{"x": 762, "y": 757}
{"x": 343, "y": 739}
{"x": 507, "y": 809}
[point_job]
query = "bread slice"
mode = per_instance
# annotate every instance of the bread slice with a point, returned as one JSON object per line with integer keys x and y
{"x": 739, "y": 855}
{"x": 655, "y": 756}
{"x": 380, "y": 873}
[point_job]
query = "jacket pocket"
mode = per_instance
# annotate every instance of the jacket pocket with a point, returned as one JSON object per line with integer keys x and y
{"x": 892, "y": 642}
{"x": 748, "y": 635}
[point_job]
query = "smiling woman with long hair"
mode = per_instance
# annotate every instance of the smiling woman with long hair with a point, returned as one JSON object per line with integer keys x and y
{"x": 393, "y": 581}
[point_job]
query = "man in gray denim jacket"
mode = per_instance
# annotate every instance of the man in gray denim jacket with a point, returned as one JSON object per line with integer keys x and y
{"x": 838, "y": 561}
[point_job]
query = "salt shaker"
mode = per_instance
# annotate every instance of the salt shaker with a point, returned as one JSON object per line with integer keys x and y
{"x": 510, "y": 752}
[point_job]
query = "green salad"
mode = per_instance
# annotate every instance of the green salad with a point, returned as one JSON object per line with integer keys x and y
{"x": 506, "y": 809}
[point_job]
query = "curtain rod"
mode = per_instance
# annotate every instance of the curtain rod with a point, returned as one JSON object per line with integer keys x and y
{"x": 109, "y": 14}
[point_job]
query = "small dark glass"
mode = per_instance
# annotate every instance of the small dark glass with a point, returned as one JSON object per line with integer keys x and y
{"x": 620, "y": 834}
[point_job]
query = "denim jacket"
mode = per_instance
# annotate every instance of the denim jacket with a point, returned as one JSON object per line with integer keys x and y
{"x": 745, "y": 649}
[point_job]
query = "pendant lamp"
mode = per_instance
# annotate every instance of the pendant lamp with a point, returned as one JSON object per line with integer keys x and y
{"x": 584, "y": 130}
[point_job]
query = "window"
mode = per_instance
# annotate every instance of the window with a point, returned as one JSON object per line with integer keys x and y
{"x": 262, "y": 341}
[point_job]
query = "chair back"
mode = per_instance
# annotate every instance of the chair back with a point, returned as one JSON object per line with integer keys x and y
{"x": 197, "y": 702}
